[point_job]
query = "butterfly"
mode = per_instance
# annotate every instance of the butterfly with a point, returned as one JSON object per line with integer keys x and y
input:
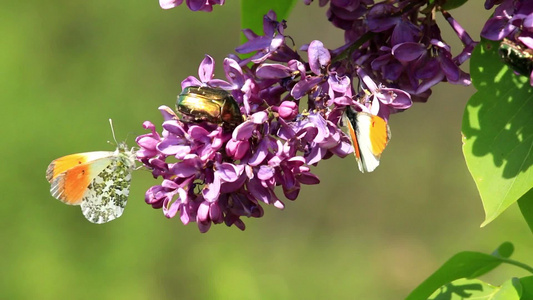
{"x": 370, "y": 134}
{"x": 97, "y": 181}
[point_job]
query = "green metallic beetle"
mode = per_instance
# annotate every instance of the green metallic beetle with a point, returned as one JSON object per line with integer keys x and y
{"x": 213, "y": 105}
{"x": 519, "y": 58}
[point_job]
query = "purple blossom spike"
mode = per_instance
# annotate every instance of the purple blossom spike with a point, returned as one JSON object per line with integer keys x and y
{"x": 212, "y": 174}
{"x": 289, "y": 105}
{"x": 393, "y": 41}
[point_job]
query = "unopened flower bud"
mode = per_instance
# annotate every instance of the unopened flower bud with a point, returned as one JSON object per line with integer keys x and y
{"x": 288, "y": 110}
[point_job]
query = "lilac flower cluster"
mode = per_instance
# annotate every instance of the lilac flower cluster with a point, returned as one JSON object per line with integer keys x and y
{"x": 212, "y": 174}
{"x": 513, "y": 21}
{"x": 400, "y": 43}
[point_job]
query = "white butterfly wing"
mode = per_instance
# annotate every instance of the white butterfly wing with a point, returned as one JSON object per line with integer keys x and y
{"x": 107, "y": 194}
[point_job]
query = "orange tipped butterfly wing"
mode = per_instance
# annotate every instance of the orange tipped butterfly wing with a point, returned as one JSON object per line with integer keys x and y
{"x": 97, "y": 181}
{"x": 70, "y": 175}
{"x": 370, "y": 135}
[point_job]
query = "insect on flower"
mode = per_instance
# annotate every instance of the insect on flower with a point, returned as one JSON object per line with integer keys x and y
{"x": 519, "y": 58}
{"x": 370, "y": 135}
{"x": 97, "y": 181}
{"x": 213, "y": 105}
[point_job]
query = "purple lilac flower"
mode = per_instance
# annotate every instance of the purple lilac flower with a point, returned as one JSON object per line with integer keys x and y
{"x": 398, "y": 45}
{"x": 511, "y": 19}
{"x": 372, "y": 32}
{"x": 292, "y": 107}
{"x": 271, "y": 45}
{"x": 218, "y": 175}
{"x": 380, "y": 100}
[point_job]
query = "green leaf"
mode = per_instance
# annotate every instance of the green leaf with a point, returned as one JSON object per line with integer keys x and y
{"x": 505, "y": 250}
{"x": 527, "y": 288}
{"x": 498, "y": 131}
{"x": 451, "y": 4}
{"x": 252, "y": 12}
{"x": 461, "y": 289}
{"x": 526, "y": 207}
{"x": 510, "y": 290}
{"x": 476, "y": 289}
{"x": 462, "y": 265}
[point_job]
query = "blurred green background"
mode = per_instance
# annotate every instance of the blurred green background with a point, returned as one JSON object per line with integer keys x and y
{"x": 68, "y": 66}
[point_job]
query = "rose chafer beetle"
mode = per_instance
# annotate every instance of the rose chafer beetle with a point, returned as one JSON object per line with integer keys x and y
{"x": 213, "y": 105}
{"x": 519, "y": 58}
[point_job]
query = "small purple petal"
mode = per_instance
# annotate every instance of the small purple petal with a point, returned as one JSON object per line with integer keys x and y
{"x": 186, "y": 168}
{"x": 258, "y": 191}
{"x": 234, "y": 72}
{"x": 215, "y": 213}
{"x": 319, "y": 57}
{"x": 199, "y": 133}
{"x": 174, "y": 127}
{"x": 229, "y": 172}
{"x": 169, "y": 184}
{"x": 307, "y": 178}
{"x": 265, "y": 173}
{"x": 302, "y": 87}
{"x": 404, "y": 32}
{"x": 449, "y": 68}
{"x": 206, "y": 69}
{"x": 279, "y": 204}
{"x": 212, "y": 191}
{"x": 167, "y": 113}
{"x": 343, "y": 101}
{"x": 190, "y": 81}
{"x": 147, "y": 142}
{"x": 369, "y": 83}
{"x": 527, "y": 40}
{"x": 168, "y": 4}
{"x": 185, "y": 214}
{"x": 172, "y": 145}
{"x": 497, "y": 28}
{"x": 259, "y": 117}
{"x": 315, "y": 155}
{"x": 203, "y": 212}
{"x": 273, "y": 71}
{"x": 204, "y": 226}
{"x": 244, "y": 131}
{"x": 256, "y": 44}
{"x": 407, "y": 52}
{"x": 259, "y": 154}
{"x": 154, "y": 194}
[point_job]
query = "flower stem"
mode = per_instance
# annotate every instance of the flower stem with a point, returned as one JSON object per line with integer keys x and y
{"x": 518, "y": 264}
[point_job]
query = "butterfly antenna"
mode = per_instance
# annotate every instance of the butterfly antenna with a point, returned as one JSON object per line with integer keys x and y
{"x": 113, "y": 131}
